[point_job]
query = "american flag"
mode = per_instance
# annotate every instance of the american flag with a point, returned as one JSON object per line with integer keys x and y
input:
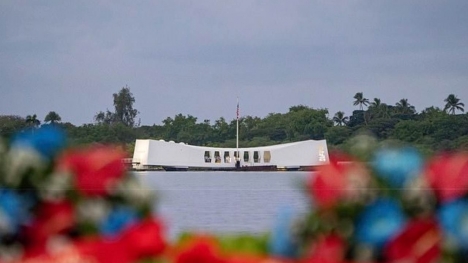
{"x": 237, "y": 110}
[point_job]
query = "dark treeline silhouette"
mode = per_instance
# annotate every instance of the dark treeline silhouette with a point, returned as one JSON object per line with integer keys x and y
{"x": 432, "y": 129}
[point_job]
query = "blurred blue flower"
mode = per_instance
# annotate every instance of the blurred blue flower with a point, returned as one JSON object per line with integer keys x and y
{"x": 453, "y": 217}
{"x": 13, "y": 211}
{"x": 281, "y": 241}
{"x": 47, "y": 140}
{"x": 397, "y": 166}
{"x": 117, "y": 220}
{"x": 379, "y": 222}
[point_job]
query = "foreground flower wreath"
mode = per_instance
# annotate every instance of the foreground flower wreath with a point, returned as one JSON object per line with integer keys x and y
{"x": 61, "y": 204}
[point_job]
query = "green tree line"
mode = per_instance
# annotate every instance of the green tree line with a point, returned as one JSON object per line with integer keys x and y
{"x": 431, "y": 129}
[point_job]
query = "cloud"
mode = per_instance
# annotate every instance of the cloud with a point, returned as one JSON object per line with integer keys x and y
{"x": 197, "y": 57}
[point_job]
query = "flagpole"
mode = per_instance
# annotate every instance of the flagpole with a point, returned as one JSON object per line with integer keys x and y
{"x": 237, "y": 131}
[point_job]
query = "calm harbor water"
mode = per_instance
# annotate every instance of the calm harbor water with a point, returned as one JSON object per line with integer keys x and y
{"x": 224, "y": 202}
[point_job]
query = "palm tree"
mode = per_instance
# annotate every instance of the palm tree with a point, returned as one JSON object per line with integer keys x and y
{"x": 32, "y": 121}
{"x": 360, "y": 100}
{"x": 377, "y": 109}
{"x": 376, "y": 103}
{"x": 453, "y": 103}
{"x": 52, "y": 117}
{"x": 340, "y": 119}
{"x": 384, "y": 111}
{"x": 404, "y": 107}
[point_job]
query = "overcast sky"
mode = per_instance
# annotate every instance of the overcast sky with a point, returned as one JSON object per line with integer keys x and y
{"x": 196, "y": 57}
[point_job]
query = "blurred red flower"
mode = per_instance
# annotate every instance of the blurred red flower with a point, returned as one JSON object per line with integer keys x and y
{"x": 144, "y": 239}
{"x": 327, "y": 249}
{"x": 99, "y": 250}
{"x": 251, "y": 259}
{"x": 418, "y": 242}
{"x": 199, "y": 249}
{"x": 342, "y": 179}
{"x": 67, "y": 254}
{"x": 96, "y": 168}
{"x": 52, "y": 218}
{"x": 447, "y": 174}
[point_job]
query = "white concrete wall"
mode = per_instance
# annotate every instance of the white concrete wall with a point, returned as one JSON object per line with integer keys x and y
{"x": 161, "y": 153}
